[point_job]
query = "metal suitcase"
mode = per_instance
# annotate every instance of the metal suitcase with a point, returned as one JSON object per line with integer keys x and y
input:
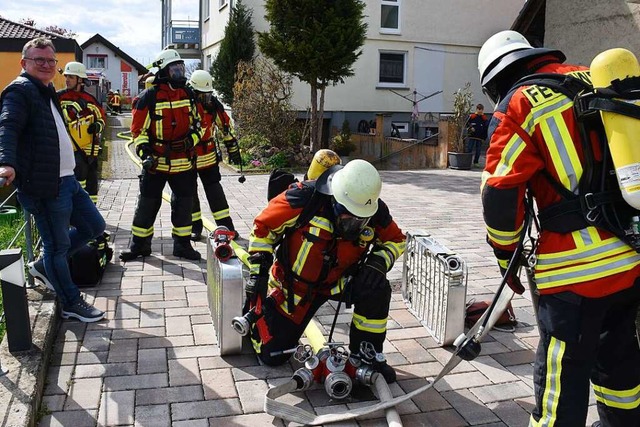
{"x": 434, "y": 286}
{"x": 225, "y": 291}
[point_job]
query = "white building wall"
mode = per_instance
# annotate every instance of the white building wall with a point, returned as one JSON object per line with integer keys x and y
{"x": 440, "y": 40}
{"x": 112, "y": 71}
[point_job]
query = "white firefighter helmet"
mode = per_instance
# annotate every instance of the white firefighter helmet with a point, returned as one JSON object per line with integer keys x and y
{"x": 504, "y": 50}
{"x": 75, "y": 69}
{"x": 166, "y": 57}
{"x": 201, "y": 81}
{"x": 357, "y": 187}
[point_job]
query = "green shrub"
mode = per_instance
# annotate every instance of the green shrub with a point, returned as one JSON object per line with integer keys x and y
{"x": 278, "y": 161}
{"x": 341, "y": 143}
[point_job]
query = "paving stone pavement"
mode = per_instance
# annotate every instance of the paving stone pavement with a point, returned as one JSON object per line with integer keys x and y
{"x": 154, "y": 361}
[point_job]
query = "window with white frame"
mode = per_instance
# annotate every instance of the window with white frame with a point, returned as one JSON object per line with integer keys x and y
{"x": 208, "y": 63}
{"x": 97, "y": 61}
{"x": 392, "y": 69}
{"x": 390, "y": 16}
{"x": 222, "y": 3}
{"x": 206, "y": 8}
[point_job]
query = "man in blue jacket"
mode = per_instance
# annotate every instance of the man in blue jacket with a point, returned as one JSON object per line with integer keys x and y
{"x": 477, "y": 132}
{"x": 36, "y": 154}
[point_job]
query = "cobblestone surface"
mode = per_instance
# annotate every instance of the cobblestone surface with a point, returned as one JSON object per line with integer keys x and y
{"x": 155, "y": 361}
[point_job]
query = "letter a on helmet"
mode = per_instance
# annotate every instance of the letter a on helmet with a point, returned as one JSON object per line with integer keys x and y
{"x": 166, "y": 57}
{"x": 357, "y": 187}
{"x": 75, "y": 69}
{"x": 201, "y": 81}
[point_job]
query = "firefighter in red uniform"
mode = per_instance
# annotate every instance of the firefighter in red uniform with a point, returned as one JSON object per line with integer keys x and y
{"x": 84, "y": 118}
{"x": 314, "y": 260}
{"x": 166, "y": 126}
{"x": 216, "y": 121}
{"x": 587, "y": 278}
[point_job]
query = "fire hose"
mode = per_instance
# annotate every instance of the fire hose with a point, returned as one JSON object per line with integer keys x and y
{"x": 294, "y": 414}
{"x": 302, "y": 380}
{"x": 467, "y": 347}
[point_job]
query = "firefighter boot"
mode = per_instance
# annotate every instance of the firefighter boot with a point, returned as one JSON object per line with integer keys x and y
{"x": 386, "y": 370}
{"x": 196, "y": 230}
{"x": 182, "y": 249}
{"x": 141, "y": 246}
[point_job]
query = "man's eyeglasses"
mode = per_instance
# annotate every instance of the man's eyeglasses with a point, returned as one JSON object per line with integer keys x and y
{"x": 42, "y": 61}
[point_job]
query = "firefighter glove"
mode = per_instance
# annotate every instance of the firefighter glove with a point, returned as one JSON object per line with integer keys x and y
{"x": 513, "y": 281}
{"x": 234, "y": 152}
{"x": 372, "y": 274}
{"x": 259, "y": 262}
{"x": 144, "y": 150}
{"x": 93, "y": 128}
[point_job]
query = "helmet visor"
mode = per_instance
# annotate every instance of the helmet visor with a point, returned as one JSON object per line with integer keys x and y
{"x": 176, "y": 71}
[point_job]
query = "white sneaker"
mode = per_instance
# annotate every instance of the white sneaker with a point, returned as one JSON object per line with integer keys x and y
{"x": 36, "y": 269}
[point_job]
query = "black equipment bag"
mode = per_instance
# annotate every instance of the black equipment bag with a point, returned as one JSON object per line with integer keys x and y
{"x": 87, "y": 265}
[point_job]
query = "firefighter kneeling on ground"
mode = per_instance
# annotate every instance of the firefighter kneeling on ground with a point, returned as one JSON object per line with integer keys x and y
{"x": 215, "y": 118}
{"x": 587, "y": 277}
{"x": 167, "y": 153}
{"x": 84, "y": 118}
{"x": 351, "y": 233}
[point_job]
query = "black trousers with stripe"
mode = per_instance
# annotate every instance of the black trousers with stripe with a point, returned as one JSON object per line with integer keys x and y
{"x": 286, "y": 332}
{"x": 150, "y": 198}
{"x": 584, "y": 339}
{"x": 210, "y": 178}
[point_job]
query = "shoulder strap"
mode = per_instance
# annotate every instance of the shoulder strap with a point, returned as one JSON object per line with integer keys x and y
{"x": 565, "y": 84}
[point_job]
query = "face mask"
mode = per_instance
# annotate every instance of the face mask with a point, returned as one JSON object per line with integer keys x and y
{"x": 177, "y": 73}
{"x": 347, "y": 225}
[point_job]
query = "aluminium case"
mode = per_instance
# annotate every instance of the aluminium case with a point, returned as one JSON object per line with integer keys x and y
{"x": 225, "y": 292}
{"x": 434, "y": 286}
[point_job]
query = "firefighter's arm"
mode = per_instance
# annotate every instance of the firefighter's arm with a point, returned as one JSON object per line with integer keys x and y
{"x": 198, "y": 124}
{"x": 141, "y": 120}
{"x": 281, "y": 213}
{"x": 390, "y": 240}
{"x": 512, "y": 160}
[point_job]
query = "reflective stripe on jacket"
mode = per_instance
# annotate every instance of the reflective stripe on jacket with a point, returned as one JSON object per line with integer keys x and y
{"x": 308, "y": 245}
{"x": 174, "y": 119}
{"x": 532, "y": 130}
{"x": 79, "y": 110}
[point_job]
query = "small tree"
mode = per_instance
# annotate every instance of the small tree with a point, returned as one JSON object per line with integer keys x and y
{"x": 262, "y": 105}
{"x": 317, "y": 41}
{"x": 238, "y": 45}
{"x": 462, "y": 103}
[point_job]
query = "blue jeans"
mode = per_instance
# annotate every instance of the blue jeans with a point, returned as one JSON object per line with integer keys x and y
{"x": 54, "y": 216}
{"x": 474, "y": 144}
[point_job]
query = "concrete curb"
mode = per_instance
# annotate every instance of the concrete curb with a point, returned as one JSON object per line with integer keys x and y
{"x": 22, "y": 387}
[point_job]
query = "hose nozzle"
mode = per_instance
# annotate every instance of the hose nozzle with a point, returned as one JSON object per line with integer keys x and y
{"x": 242, "y": 324}
{"x": 338, "y": 385}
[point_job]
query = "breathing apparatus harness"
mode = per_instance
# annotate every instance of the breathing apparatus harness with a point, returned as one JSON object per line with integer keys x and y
{"x": 599, "y": 201}
{"x": 177, "y": 145}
